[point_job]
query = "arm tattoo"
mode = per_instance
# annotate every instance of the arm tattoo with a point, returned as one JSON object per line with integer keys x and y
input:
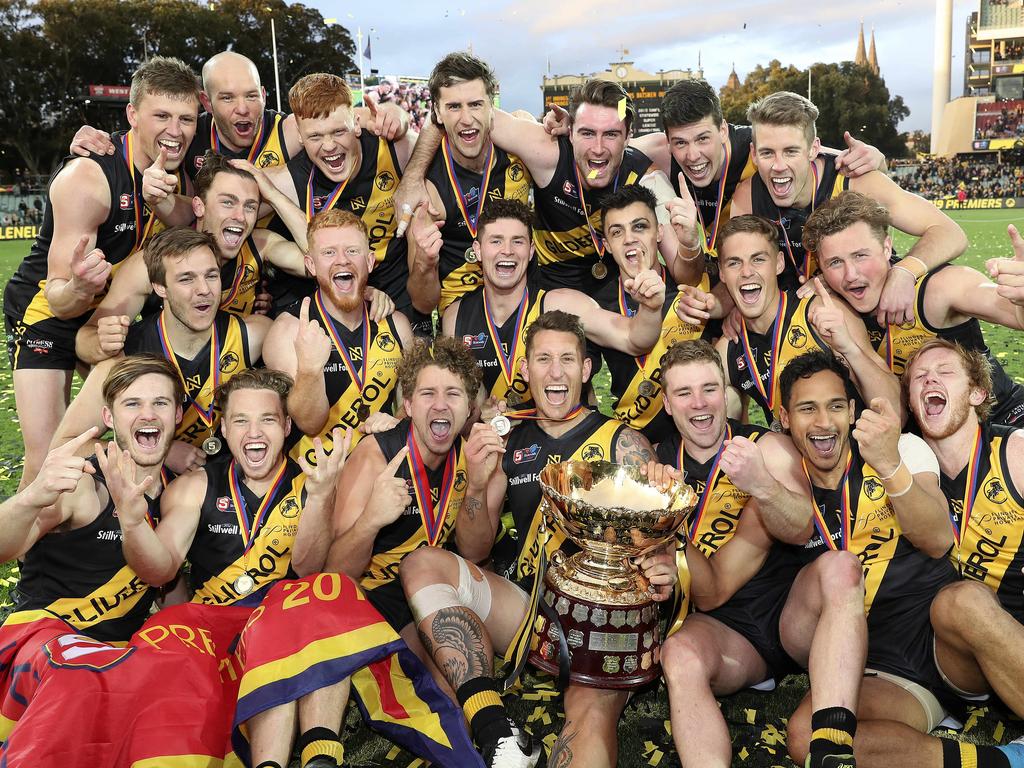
{"x": 561, "y": 754}
{"x": 632, "y": 448}
{"x": 471, "y": 506}
{"x": 459, "y": 645}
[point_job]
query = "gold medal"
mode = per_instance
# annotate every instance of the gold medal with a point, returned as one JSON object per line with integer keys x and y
{"x": 513, "y": 398}
{"x": 647, "y": 388}
{"x": 501, "y": 424}
{"x": 776, "y": 425}
{"x": 599, "y": 271}
{"x": 244, "y": 584}
{"x": 363, "y": 412}
{"x": 471, "y": 257}
{"x": 212, "y": 445}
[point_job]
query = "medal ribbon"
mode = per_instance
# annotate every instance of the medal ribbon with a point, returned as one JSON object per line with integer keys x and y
{"x": 248, "y": 529}
{"x": 507, "y": 362}
{"x": 141, "y": 233}
{"x": 769, "y": 393}
{"x": 709, "y": 240}
{"x": 597, "y": 239}
{"x": 254, "y": 150}
{"x": 235, "y": 285}
{"x": 433, "y": 517}
{"x": 970, "y": 489}
{"x": 819, "y": 520}
{"x": 530, "y": 414}
{"x": 709, "y": 482}
{"x": 357, "y": 372}
{"x": 331, "y": 198}
{"x": 206, "y": 415}
{"x": 805, "y": 269}
{"x": 460, "y": 198}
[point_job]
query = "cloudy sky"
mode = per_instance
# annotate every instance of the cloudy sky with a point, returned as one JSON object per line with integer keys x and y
{"x": 518, "y": 37}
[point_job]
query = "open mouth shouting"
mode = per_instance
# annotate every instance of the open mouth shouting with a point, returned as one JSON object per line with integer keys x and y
{"x": 233, "y": 235}
{"x": 698, "y": 172}
{"x": 823, "y": 446}
{"x": 469, "y": 135}
{"x": 505, "y": 268}
{"x": 255, "y": 452}
{"x": 335, "y": 162}
{"x": 597, "y": 169}
{"x": 173, "y": 148}
{"x": 855, "y": 291}
{"x": 557, "y": 394}
{"x": 782, "y": 186}
{"x": 934, "y": 403}
{"x": 244, "y": 128}
{"x": 147, "y": 438}
{"x": 750, "y": 293}
{"x": 440, "y": 429}
{"x": 702, "y": 422}
{"x": 344, "y": 281}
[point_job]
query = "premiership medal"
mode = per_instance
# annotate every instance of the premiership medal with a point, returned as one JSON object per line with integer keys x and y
{"x": 363, "y": 412}
{"x": 470, "y": 217}
{"x": 647, "y": 388}
{"x": 513, "y": 398}
{"x": 244, "y": 584}
{"x": 776, "y": 426}
{"x": 507, "y": 362}
{"x": 433, "y": 515}
{"x": 212, "y": 445}
{"x": 471, "y": 257}
{"x": 501, "y": 425}
{"x": 356, "y": 368}
{"x": 599, "y": 271}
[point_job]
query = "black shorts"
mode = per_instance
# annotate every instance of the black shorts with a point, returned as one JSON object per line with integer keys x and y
{"x": 389, "y": 600}
{"x": 46, "y": 345}
{"x": 755, "y": 614}
{"x": 1009, "y": 411}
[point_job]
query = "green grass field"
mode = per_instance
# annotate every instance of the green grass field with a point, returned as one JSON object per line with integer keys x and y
{"x": 757, "y": 721}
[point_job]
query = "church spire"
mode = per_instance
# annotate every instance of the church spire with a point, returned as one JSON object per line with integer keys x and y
{"x": 861, "y": 59}
{"x": 872, "y": 56}
{"x": 734, "y": 79}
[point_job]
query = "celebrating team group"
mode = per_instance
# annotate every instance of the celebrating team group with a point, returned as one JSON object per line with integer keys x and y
{"x": 333, "y": 356}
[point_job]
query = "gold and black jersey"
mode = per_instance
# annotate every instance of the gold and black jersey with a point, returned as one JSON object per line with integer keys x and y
{"x": 896, "y": 343}
{"x": 219, "y": 555}
{"x": 408, "y": 533}
{"x": 24, "y": 298}
{"x": 900, "y": 581}
{"x": 472, "y": 328}
{"x": 795, "y": 338}
{"x": 528, "y": 450}
{"x": 640, "y": 405}
{"x": 718, "y": 194}
{"x": 232, "y": 339}
{"x": 377, "y": 363}
{"x": 81, "y": 575}
{"x": 268, "y": 151}
{"x": 565, "y": 247}
{"x": 829, "y": 183}
{"x": 240, "y": 280}
{"x": 369, "y": 193}
{"x": 991, "y": 544}
{"x": 508, "y": 180}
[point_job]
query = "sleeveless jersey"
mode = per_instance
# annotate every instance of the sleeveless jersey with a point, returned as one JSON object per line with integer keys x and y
{"x": 790, "y": 221}
{"x": 471, "y": 326}
{"x": 269, "y": 148}
{"x": 81, "y": 575}
{"x": 508, "y": 180}
{"x": 408, "y": 533}
{"x": 644, "y": 410}
{"x": 129, "y": 218}
{"x": 897, "y": 343}
{"x": 797, "y": 337}
{"x": 565, "y": 248}
{"x": 991, "y": 545}
{"x": 370, "y": 194}
{"x": 528, "y": 450}
{"x": 900, "y": 581}
{"x": 379, "y": 364}
{"x": 713, "y": 522}
{"x": 741, "y": 166}
{"x": 233, "y": 338}
{"x": 217, "y": 555}
{"x": 240, "y": 280}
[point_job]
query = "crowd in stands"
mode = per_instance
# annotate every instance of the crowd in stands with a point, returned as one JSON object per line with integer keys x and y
{"x": 413, "y": 97}
{"x": 1008, "y": 124}
{"x": 1013, "y": 50}
{"x": 18, "y": 210}
{"x": 937, "y": 178}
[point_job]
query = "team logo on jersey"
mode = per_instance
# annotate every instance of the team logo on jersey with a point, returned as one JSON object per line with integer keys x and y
{"x": 873, "y": 488}
{"x": 269, "y": 159}
{"x": 479, "y": 341}
{"x": 994, "y": 491}
{"x": 741, "y": 363}
{"x": 473, "y": 195}
{"x": 797, "y": 337}
{"x": 357, "y": 203}
{"x": 289, "y": 507}
{"x": 76, "y": 651}
{"x": 515, "y": 172}
{"x": 223, "y": 503}
{"x": 460, "y": 480}
{"x": 592, "y": 452}
{"x": 386, "y": 341}
{"x": 385, "y": 181}
{"x": 554, "y": 458}
{"x": 319, "y": 201}
{"x": 125, "y": 202}
{"x": 525, "y": 455}
{"x": 356, "y": 353}
{"x": 569, "y": 188}
{"x": 198, "y": 162}
{"x": 228, "y": 362}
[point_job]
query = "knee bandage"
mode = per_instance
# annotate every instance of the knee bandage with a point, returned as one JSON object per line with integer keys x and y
{"x": 470, "y": 593}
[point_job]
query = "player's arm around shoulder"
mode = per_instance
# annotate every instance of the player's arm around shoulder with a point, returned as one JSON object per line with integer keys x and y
{"x": 180, "y": 511}
{"x": 528, "y": 140}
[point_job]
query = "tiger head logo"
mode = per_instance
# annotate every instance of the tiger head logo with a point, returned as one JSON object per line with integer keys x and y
{"x": 269, "y": 159}
{"x": 873, "y": 488}
{"x": 228, "y": 362}
{"x": 592, "y": 452}
{"x": 385, "y": 181}
{"x": 797, "y": 337}
{"x": 994, "y": 491}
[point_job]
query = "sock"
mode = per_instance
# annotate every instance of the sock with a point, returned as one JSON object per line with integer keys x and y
{"x": 959, "y": 754}
{"x": 832, "y": 731}
{"x": 484, "y": 710}
{"x": 320, "y": 742}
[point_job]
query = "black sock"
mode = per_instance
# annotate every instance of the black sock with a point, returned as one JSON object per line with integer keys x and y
{"x": 832, "y": 732}
{"x": 958, "y": 754}
{"x": 484, "y": 709}
{"x": 320, "y": 742}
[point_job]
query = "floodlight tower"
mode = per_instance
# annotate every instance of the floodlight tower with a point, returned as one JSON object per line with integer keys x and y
{"x": 943, "y": 58}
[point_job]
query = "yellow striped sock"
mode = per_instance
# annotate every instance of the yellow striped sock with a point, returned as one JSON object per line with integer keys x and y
{"x": 968, "y": 755}
{"x": 324, "y": 747}
{"x": 479, "y": 701}
{"x": 835, "y": 735}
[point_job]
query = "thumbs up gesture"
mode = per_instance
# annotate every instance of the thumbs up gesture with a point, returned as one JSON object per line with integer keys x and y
{"x": 89, "y": 271}
{"x": 1008, "y": 274}
{"x": 157, "y": 183}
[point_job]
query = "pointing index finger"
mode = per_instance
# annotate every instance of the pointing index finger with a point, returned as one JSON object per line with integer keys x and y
{"x": 391, "y": 470}
{"x": 824, "y": 295}
{"x": 71, "y": 446}
{"x": 684, "y": 189}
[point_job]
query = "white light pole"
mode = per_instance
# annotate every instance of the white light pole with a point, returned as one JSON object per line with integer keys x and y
{"x": 943, "y": 54}
{"x": 277, "y": 77}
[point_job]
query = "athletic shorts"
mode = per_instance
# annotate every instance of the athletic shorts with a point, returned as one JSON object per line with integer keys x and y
{"x": 389, "y": 600}
{"x": 47, "y": 345}
{"x": 1009, "y": 412}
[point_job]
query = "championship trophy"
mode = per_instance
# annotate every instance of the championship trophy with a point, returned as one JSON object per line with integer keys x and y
{"x": 606, "y": 619}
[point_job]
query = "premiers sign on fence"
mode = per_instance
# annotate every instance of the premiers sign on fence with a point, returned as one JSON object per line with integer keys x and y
{"x": 980, "y": 203}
